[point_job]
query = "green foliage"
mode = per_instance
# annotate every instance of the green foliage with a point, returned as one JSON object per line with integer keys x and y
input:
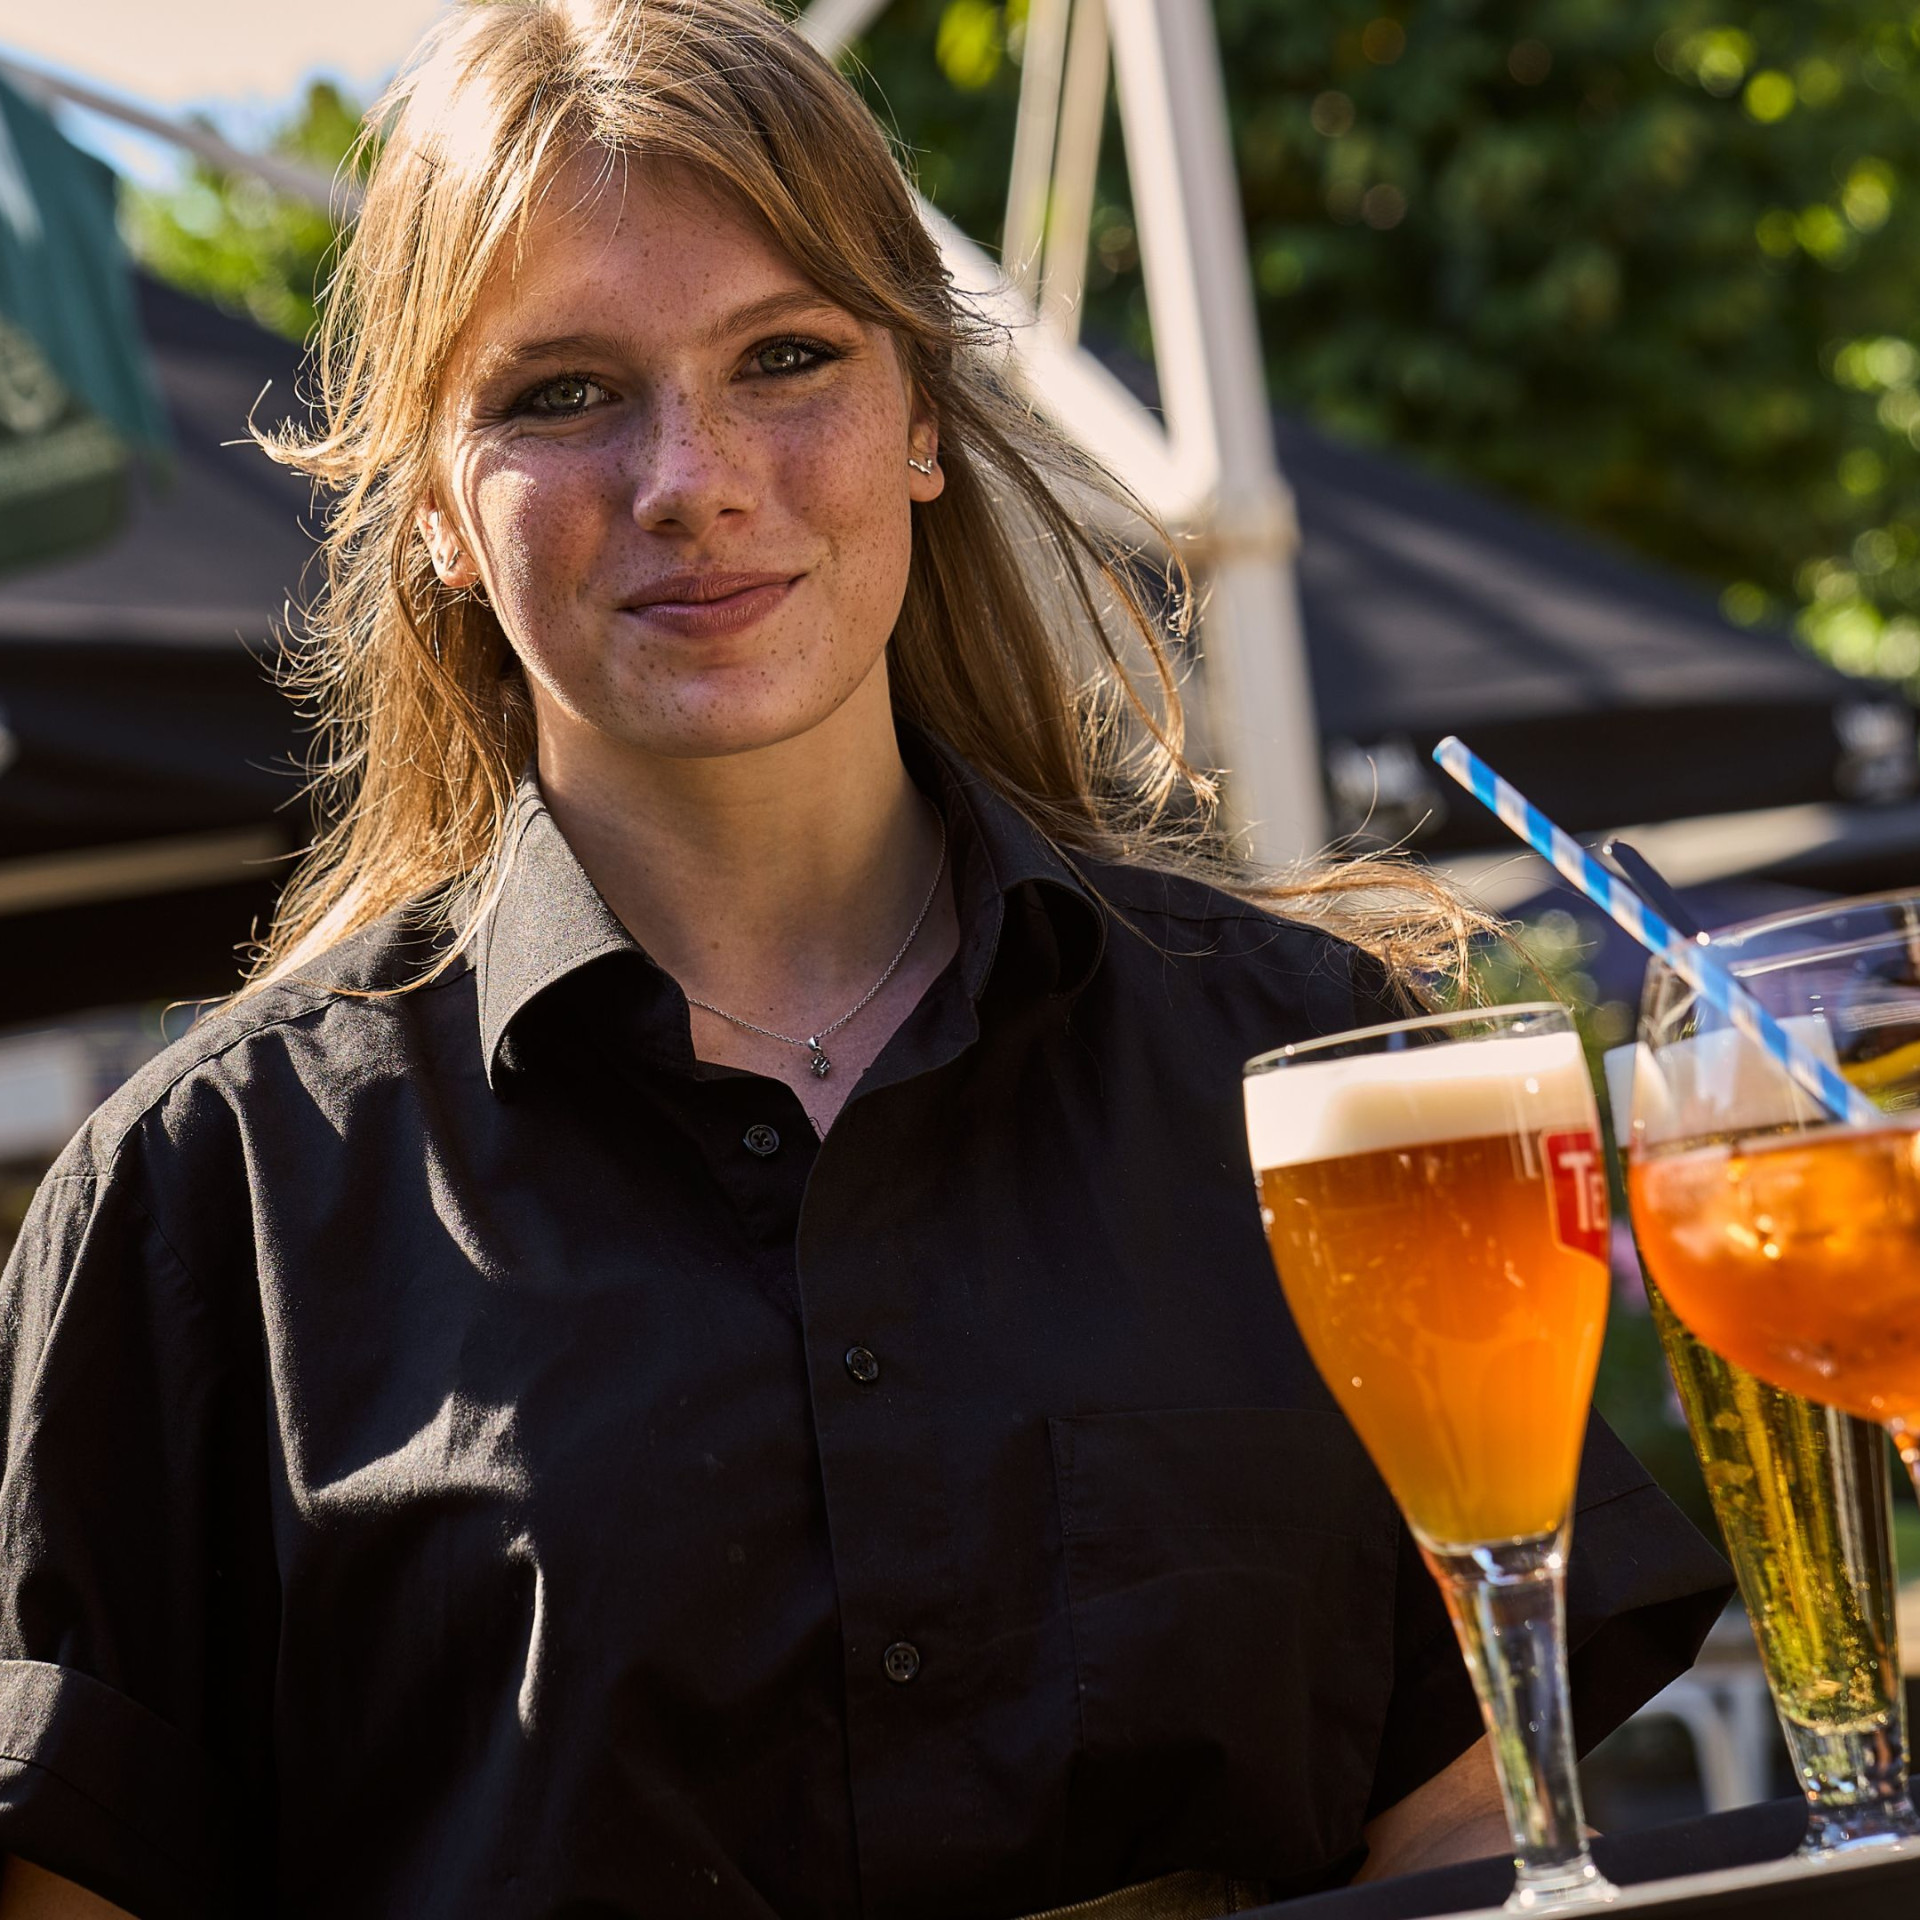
{"x": 1644, "y": 265}
{"x": 233, "y": 240}
{"x": 1545, "y": 958}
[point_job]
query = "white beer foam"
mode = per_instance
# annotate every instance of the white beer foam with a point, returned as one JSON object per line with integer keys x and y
{"x": 1715, "y": 1083}
{"x": 1379, "y": 1102}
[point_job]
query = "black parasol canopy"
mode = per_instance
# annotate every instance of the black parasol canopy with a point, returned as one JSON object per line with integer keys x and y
{"x": 1606, "y": 691}
{"x": 148, "y": 792}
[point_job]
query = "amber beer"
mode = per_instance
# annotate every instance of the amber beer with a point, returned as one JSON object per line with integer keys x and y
{"x": 1438, "y": 1219}
{"x": 1801, "y": 1495}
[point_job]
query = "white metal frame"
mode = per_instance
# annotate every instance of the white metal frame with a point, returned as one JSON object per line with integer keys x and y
{"x": 285, "y": 176}
{"x": 1210, "y": 471}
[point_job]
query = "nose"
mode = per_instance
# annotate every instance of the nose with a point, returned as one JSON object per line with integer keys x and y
{"x": 690, "y": 466}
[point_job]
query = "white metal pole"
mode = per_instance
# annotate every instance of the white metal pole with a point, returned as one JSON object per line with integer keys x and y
{"x": 1083, "y": 114}
{"x": 340, "y": 197}
{"x": 1259, "y": 701}
{"x": 1038, "y": 117}
{"x": 833, "y": 25}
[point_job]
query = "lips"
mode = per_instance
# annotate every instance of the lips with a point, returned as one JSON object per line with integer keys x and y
{"x": 709, "y": 605}
{"x": 702, "y": 589}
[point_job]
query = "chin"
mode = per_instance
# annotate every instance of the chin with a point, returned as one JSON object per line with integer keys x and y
{"x": 713, "y": 724}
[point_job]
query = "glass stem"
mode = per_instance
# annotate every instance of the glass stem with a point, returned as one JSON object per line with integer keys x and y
{"x": 1508, "y": 1604}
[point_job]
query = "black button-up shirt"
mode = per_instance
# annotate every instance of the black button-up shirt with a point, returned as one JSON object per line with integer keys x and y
{"x": 466, "y": 1456}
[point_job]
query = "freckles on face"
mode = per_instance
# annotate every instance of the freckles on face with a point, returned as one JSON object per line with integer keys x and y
{"x": 682, "y": 472}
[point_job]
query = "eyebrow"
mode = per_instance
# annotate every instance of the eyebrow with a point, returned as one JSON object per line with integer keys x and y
{"x": 769, "y": 311}
{"x": 494, "y": 361}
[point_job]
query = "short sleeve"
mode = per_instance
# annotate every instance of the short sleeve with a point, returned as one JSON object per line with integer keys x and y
{"x": 133, "y": 1626}
{"x": 1643, "y": 1588}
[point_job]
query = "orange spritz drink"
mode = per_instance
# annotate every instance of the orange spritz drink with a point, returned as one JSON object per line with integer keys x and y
{"x": 1784, "y": 1239}
{"x": 1797, "y": 1256}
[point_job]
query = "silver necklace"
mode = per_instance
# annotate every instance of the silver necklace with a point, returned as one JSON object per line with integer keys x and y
{"x": 817, "y": 1059}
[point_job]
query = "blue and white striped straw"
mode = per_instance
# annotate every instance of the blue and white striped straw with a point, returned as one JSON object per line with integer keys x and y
{"x": 1691, "y": 961}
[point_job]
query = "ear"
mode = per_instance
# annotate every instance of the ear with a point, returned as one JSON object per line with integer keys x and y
{"x": 452, "y": 560}
{"x": 923, "y": 445}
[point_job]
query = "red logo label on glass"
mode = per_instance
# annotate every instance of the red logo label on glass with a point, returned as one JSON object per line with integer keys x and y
{"x": 1577, "y": 1191}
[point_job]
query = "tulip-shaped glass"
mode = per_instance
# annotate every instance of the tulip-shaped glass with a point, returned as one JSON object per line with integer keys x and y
{"x": 1435, "y": 1197}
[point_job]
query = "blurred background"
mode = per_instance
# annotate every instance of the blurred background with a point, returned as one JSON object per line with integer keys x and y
{"x": 1546, "y": 373}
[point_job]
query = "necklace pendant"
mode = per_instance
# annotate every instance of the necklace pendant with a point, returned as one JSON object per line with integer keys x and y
{"x": 818, "y": 1061}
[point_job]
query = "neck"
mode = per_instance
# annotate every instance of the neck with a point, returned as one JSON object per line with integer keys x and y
{"x": 775, "y": 883}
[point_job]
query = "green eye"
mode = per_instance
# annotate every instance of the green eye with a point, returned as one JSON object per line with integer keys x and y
{"x": 568, "y": 393}
{"x": 779, "y": 357}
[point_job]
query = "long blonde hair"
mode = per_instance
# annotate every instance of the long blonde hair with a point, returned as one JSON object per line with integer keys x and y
{"x": 1033, "y": 646}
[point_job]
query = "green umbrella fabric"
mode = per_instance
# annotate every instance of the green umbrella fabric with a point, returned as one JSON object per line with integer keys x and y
{"x": 63, "y": 470}
{"x": 76, "y": 390}
{"x": 64, "y": 276}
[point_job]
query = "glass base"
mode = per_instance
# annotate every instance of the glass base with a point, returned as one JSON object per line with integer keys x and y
{"x": 1832, "y": 1831}
{"x": 1567, "y": 1889}
{"x": 1855, "y": 1780}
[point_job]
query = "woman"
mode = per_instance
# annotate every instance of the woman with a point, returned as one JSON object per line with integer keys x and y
{"x": 697, "y": 1341}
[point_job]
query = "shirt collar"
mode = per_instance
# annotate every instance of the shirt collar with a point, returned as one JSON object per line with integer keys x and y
{"x": 548, "y": 926}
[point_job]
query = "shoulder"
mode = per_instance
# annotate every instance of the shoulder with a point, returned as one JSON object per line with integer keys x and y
{"x": 161, "y": 1179}
{"x": 1189, "y": 919}
{"x": 358, "y": 1010}
{"x": 1263, "y": 972}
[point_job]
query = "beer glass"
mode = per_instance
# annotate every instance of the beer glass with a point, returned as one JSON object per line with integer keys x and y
{"x": 1435, "y": 1199}
{"x": 1784, "y": 1240}
{"x": 1802, "y": 1497}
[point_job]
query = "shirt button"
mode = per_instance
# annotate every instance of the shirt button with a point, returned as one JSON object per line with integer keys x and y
{"x": 866, "y": 1369}
{"x": 902, "y": 1661}
{"x": 761, "y": 1139}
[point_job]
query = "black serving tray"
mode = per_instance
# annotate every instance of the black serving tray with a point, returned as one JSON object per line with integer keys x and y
{"x": 1729, "y": 1866}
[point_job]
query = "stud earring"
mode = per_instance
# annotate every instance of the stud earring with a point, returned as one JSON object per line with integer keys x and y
{"x": 923, "y": 467}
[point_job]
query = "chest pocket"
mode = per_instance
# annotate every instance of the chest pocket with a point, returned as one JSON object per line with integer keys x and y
{"x": 1230, "y": 1574}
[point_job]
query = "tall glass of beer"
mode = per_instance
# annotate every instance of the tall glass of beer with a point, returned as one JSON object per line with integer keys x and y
{"x": 1785, "y": 1241}
{"x": 1802, "y": 1497}
{"x": 1435, "y": 1198}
